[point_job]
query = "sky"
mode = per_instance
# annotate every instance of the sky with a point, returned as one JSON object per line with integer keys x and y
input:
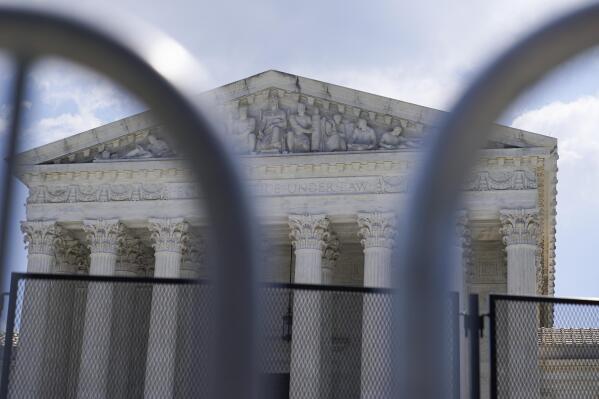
{"x": 425, "y": 52}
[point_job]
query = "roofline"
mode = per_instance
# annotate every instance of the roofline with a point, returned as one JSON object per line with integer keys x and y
{"x": 288, "y": 82}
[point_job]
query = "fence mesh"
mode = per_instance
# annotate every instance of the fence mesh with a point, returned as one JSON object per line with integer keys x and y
{"x": 139, "y": 338}
{"x": 545, "y": 348}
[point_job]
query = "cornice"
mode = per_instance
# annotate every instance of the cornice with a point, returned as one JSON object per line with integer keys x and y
{"x": 312, "y": 165}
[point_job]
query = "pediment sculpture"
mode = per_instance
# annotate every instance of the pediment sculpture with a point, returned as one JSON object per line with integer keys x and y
{"x": 153, "y": 148}
{"x": 277, "y": 122}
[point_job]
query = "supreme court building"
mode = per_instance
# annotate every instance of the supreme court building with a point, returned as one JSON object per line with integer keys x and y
{"x": 327, "y": 167}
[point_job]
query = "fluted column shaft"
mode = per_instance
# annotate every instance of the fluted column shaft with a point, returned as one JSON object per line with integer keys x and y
{"x": 458, "y": 284}
{"x": 169, "y": 238}
{"x": 308, "y": 235}
{"x": 104, "y": 239}
{"x": 377, "y": 233}
{"x": 41, "y": 239}
{"x": 519, "y": 230}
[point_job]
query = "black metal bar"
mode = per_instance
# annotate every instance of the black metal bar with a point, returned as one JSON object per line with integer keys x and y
{"x": 9, "y": 336}
{"x": 184, "y": 281}
{"x": 474, "y": 332}
{"x": 456, "y": 337}
{"x": 492, "y": 348}
{"x": 544, "y": 299}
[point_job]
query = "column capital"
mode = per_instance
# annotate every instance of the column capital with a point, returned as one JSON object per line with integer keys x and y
{"x": 193, "y": 262}
{"x": 104, "y": 235}
{"x": 377, "y": 229}
{"x": 41, "y": 236}
{"x": 132, "y": 256}
{"x": 519, "y": 226}
{"x": 169, "y": 235}
{"x": 72, "y": 256}
{"x": 330, "y": 253}
{"x": 309, "y": 231}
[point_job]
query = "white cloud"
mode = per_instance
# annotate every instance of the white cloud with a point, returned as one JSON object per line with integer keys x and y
{"x": 575, "y": 124}
{"x": 54, "y": 128}
{"x": 67, "y": 99}
{"x": 404, "y": 84}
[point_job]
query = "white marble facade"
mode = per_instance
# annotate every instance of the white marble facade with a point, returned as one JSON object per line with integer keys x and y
{"x": 325, "y": 164}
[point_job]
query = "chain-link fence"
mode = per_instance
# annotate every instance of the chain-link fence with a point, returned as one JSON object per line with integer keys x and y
{"x": 121, "y": 337}
{"x": 544, "y": 348}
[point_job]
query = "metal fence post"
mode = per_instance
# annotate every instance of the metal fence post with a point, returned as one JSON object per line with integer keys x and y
{"x": 492, "y": 348}
{"x": 475, "y": 330}
{"x": 9, "y": 335}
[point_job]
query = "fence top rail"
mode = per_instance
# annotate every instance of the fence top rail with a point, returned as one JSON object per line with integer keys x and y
{"x": 188, "y": 281}
{"x": 543, "y": 299}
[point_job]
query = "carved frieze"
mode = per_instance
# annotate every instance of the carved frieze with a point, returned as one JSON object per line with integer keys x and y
{"x": 502, "y": 180}
{"x": 97, "y": 193}
{"x": 483, "y": 181}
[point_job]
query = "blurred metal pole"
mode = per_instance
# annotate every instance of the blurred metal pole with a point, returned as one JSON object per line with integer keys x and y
{"x": 157, "y": 70}
{"x": 422, "y": 261}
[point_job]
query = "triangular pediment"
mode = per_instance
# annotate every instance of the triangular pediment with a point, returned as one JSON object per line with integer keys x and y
{"x": 333, "y": 118}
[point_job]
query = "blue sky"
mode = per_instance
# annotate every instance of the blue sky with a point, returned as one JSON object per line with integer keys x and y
{"x": 423, "y": 52}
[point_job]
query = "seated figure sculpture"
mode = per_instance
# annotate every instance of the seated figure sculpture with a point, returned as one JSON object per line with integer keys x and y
{"x": 242, "y": 132}
{"x": 298, "y": 138}
{"x": 155, "y": 148}
{"x": 274, "y": 122}
{"x": 334, "y": 134}
{"x": 393, "y": 140}
{"x": 363, "y": 137}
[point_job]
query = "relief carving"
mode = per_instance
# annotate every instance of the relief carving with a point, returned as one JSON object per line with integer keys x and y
{"x": 274, "y": 125}
{"x": 363, "y": 137}
{"x": 242, "y": 132}
{"x": 394, "y": 139}
{"x": 152, "y": 147}
{"x": 300, "y": 136}
{"x": 335, "y": 138}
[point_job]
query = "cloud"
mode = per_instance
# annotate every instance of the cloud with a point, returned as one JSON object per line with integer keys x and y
{"x": 66, "y": 99}
{"x": 574, "y": 123}
{"x": 404, "y": 84}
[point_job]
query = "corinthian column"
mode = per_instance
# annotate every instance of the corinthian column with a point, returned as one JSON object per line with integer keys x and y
{"x": 104, "y": 238}
{"x": 169, "y": 238}
{"x": 519, "y": 228}
{"x": 41, "y": 239}
{"x": 377, "y": 232}
{"x": 308, "y": 235}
